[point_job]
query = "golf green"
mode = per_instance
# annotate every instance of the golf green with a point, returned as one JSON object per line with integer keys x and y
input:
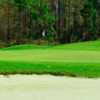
{"x": 77, "y": 59}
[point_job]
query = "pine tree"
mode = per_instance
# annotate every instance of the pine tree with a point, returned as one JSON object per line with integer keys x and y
{"x": 89, "y": 15}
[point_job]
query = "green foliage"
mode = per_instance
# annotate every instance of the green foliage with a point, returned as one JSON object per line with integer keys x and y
{"x": 20, "y": 3}
{"x": 62, "y": 22}
{"x": 41, "y": 11}
{"x": 89, "y": 13}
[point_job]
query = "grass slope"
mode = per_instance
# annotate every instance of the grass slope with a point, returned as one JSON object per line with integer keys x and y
{"x": 90, "y": 45}
{"x": 77, "y": 60}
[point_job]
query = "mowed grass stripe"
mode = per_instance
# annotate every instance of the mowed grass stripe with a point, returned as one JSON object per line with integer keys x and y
{"x": 51, "y": 56}
{"x": 89, "y": 70}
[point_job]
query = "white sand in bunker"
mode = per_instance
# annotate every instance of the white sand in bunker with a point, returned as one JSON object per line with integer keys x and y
{"x": 46, "y": 87}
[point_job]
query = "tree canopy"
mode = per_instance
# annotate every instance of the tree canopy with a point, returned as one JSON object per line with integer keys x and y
{"x": 62, "y": 21}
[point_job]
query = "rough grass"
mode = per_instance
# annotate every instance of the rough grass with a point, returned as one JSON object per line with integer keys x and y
{"x": 77, "y": 60}
{"x": 90, "y": 70}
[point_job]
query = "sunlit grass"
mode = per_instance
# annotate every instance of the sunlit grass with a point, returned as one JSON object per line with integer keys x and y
{"x": 78, "y": 59}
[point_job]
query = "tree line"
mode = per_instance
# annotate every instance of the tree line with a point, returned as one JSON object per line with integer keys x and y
{"x": 52, "y": 21}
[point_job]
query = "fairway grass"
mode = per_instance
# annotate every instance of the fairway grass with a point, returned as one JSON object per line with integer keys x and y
{"x": 68, "y": 60}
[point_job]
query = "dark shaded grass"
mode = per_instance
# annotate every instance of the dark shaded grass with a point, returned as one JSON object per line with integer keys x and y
{"x": 89, "y": 70}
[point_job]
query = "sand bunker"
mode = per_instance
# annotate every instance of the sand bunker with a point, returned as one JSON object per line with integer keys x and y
{"x": 33, "y": 87}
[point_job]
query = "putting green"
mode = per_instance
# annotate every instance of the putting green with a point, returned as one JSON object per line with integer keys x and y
{"x": 78, "y": 59}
